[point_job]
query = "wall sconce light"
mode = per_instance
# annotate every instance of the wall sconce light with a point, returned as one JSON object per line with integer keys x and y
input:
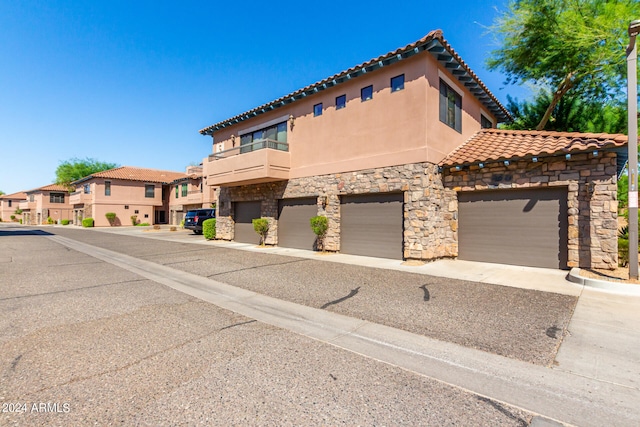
{"x": 292, "y": 121}
{"x": 480, "y": 165}
{"x": 591, "y": 187}
{"x": 534, "y": 160}
{"x": 595, "y": 153}
{"x": 568, "y": 157}
{"x": 506, "y": 162}
{"x": 233, "y": 140}
{"x": 325, "y": 201}
{"x": 458, "y": 168}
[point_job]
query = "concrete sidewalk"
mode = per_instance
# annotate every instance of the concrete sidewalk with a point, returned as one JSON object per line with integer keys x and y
{"x": 563, "y": 395}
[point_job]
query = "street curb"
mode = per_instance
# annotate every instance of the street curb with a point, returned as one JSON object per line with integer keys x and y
{"x": 617, "y": 287}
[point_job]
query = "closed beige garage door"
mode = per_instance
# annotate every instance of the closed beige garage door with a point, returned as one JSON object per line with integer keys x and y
{"x": 372, "y": 225}
{"x": 518, "y": 227}
{"x": 294, "y": 228}
{"x": 244, "y": 213}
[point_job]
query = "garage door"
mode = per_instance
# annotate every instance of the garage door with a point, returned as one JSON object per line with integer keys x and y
{"x": 372, "y": 225}
{"x": 245, "y": 212}
{"x": 294, "y": 229}
{"x": 519, "y": 227}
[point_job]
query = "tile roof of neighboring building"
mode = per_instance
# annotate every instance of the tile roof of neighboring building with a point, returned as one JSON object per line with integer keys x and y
{"x": 433, "y": 43}
{"x": 50, "y": 187}
{"x": 136, "y": 174}
{"x": 498, "y": 144}
{"x": 15, "y": 196}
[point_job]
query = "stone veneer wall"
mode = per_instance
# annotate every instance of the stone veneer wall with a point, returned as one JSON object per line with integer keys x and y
{"x": 430, "y": 221}
{"x": 592, "y": 198}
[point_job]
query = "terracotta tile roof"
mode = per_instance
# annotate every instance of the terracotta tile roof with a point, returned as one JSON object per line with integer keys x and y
{"x": 15, "y": 196}
{"x": 498, "y": 144}
{"x": 136, "y": 174}
{"x": 50, "y": 187}
{"x": 433, "y": 43}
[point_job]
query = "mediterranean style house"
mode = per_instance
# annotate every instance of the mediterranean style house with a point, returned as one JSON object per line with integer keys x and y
{"x": 188, "y": 193}
{"x": 49, "y": 201}
{"x": 131, "y": 193}
{"x": 401, "y": 154}
{"x": 10, "y": 206}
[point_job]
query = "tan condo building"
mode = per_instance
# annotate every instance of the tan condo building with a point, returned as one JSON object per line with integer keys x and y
{"x": 50, "y": 201}
{"x": 189, "y": 193}
{"x": 372, "y": 149}
{"x": 10, "y": 206}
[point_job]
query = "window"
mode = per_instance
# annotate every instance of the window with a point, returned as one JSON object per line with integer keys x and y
{"x": 366, "y": 93}
{"x": 10, "y": 202}
{"x": 277, "y": 133}
{"x": 317, "y": 110}
{"x": 56, "y": 197}
{"x": 341, "y": 101}
{"x": 201, "y": 190}
{"x": 107, "y": 188}
{"x": 126, "y": 206}
{"x": 136, "y": 211}
{"x": 450, "y": 107}
{"x": 149, "y": 190}
{"x": 485, "y": 123}
{"x": 185, "y": 189}
{"x": 397, "y": 83}
{"x": 31, "y": 197}
{"x": 86, "y": 188}
{"x": 177, "y": 192}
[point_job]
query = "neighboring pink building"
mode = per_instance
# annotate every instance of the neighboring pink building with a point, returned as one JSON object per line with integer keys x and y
{"x": 10, "y": 206}
{"x": 189, "y": 193}
{"x": 368, "y": 149}
{"x": 127, "y": 192}
{"x": 50, "y": 201}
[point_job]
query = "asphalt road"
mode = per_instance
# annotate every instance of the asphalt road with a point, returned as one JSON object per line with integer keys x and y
{"x": 101, "y": 345}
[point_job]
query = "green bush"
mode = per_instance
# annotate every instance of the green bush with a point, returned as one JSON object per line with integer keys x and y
{"x": 20, "y": 220}
{"x": 261, "y": 226}
{"x": 134, "y": 220}
{"x": 182, "y": 224}
{"x": 143, "y": 224}
{"x": 111, "y": 217}
{"x": 209, "y": 228}
{"x": 623, "y": 252}
{"x": 320, "y": 225}
{"x": 65, "y": 222}
{"x": 87, "y": 222}
{"x": 13, "y": 217}
{"x": 50, "y": 220}
{"x": 18, "y": 211}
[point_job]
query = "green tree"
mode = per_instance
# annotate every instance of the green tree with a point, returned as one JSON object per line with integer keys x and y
{"x": 1, "y": 192}
{"x": 573, "y": 46}
{"x": 74, "y": 169}
{"x": 570, "y": 114}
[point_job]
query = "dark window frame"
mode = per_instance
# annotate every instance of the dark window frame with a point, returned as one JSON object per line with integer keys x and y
{"x": 485, "y": 122}
{"x": 341, "y": 102}
{"x": 56, "y": 197}
{"x": 147, "y": 194}
{"x": 450, "y": 107}
{"x": 185, "y": 190}
{"x": 107, "y": 188}
{"x": 364, "y": 91}
{"x": 317, "y": 109}
{"x": 396, "y": 84}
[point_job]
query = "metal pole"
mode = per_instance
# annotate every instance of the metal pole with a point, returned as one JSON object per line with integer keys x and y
{"x": 632, "y": 108}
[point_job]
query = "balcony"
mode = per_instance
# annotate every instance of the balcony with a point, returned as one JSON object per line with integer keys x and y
{"x": 261, "y": 161}
{"x": 79, "y": 197}
{"x": 26, "y": 205}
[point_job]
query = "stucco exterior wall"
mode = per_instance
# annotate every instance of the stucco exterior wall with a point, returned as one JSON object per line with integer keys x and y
{"x": 591, "y": 200}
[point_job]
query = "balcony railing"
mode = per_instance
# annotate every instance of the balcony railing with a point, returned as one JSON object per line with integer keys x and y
{"x": 247, "y": 148}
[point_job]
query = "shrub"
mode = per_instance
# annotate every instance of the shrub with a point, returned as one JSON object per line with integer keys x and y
{"x": 623, "y": 252}
{"x": 65, "y": 222}
{"x": 209, "y": 228}
{"x": 182, "y": 224}
{"x": 20, "y": 220}
{"x": 18, "y": 211}
{"x": 13, "y": 217}
{"x": 111, "y": 217}
{"x": 320, "y": 225}
{"x": 156, "y": 227}
{"x": 87, "y": 222}
{"x": 143, "y": 224}
{"x": 261, "y": 226}
{"x": 173, "y": 229}
{"x": 50, "y": 220}
{"x": 134, "y": 220}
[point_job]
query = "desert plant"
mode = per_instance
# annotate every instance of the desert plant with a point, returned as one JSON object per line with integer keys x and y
{"x": 156, "y": 227}
{"x": 182, "y": 224}
{"x": 173, "y": 228}
{"x": 87, "y": 222}
{"x": 111, "y": 217}
{"x": 13, "y": 217}
{"x": 320, "y": 225}
{"x": 143, "y": 224}
{"x": 623, "y": 252}
{"x": 209, "y": 228}
{"x": 134, "y": 220}
{"x": 20, "y": 221}
{"x": 261, "y": 226}
{"x": 18, "y": 211}
{"x": 50, "y": 220}
{"x": 64, "y": 222}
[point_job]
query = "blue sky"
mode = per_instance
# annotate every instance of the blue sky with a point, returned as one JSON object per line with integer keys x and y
{"x": 133, "y": 82}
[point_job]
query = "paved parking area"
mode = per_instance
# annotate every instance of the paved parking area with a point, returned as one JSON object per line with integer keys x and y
{"x": 518, "y": 323}
{"x": 100, "y": 345}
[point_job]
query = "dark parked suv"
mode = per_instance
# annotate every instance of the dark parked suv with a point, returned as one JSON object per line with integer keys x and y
{"x": 193, "y": 219}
